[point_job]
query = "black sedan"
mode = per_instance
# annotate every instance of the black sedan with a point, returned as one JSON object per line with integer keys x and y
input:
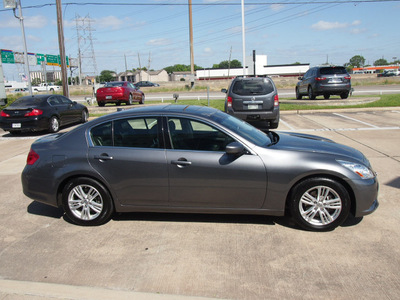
{"x": 176, "y": 158}
{"x": 41, "y": 112}
{"x": 146, "y": 84}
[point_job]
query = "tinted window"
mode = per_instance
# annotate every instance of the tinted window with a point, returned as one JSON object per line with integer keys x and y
{"x": 108, "y": 84}
{"x": 30, "y": 101}
{"x": 137, "y": 133}
{"x": 64, "y": 100}
{"x": 261, "y": 86}
{"x": 101, "y": 135}
{"x": 332, "y": 71}
{"x": 187, "y": 134}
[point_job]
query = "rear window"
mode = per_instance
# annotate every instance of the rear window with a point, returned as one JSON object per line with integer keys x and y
{"x": 114, "y": 84}
{"x": 260, "y": 86}
{"x": 31, "y": 101}
{"x": 332, "y": 71}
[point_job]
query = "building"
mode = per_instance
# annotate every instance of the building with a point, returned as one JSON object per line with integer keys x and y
{"x": 156, "y": 76}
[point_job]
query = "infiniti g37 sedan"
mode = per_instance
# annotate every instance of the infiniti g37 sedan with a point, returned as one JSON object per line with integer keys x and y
{"x": 176, "y": 158}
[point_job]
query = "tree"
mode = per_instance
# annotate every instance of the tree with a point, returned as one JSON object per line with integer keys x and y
{"x": 36, "y": 81}
{"x": 180, "y": 68}
{"x": 357, "y": 61}
{"x": 381, "y": 62}
{"x": 226, "y": 64}
{"x": 106, "y": 76}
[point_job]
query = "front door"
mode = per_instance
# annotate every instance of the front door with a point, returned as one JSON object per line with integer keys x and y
{"x": 202, "y": 175}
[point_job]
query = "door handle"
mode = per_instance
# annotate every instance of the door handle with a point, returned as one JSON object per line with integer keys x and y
{"x": 103, "y": 157}
{"x": 181, "y": 162}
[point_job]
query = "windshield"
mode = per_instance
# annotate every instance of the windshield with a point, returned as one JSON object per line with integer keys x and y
{"x": 243, "y": 129}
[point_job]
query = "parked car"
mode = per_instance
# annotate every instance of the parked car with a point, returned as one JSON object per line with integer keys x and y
{"x": 253, "y": 99}
{"x": 146, "y": 84}
{"x": 326, "y": 81}
{"x": 119, "y": 92}
{"x": 387, "y": 73}
{"x": 21, "y": 90}
{"x": 191, "y": 159}
{"x": 41, "y": 112}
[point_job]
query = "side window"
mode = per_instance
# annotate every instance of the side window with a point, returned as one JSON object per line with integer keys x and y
{"x": 187, "y": 134}
{"x": 54, "y": 100}
{"x": 101, "y": 135}
{"x": 64, "y": 100}
{"x": 137, "y": 133}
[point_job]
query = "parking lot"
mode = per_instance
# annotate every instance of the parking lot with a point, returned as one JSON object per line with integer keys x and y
{"x": 160, "y": 256}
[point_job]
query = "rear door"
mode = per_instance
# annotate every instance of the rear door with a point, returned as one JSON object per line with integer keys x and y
{"x": 129, "y": 154}
{"x": 253, "y": 94}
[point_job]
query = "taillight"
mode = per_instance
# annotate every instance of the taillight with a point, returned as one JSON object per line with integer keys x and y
{"x": 34, "y": 112}
{"x": 320, "y": 78}
{"x": 229, "y": 101}
{"x": 347, "y": 77}
{"x": 276, "y": 100}
{"x": 32, "y": 157}
{"x": 4, "y": 114}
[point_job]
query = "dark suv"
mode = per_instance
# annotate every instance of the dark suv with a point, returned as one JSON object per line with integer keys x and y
{"x": 326, "y": 81}
{"x": 254, "y": 100}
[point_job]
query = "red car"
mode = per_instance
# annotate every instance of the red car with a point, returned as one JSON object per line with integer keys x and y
{"x": 118, "y": 92}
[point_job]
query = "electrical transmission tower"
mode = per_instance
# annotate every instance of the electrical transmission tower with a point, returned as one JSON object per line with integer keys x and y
{"x": 86, "y": 56}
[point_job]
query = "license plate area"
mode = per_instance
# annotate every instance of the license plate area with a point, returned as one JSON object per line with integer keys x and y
{"x": 108, "y": 97}
{"x": 16, "y": 125}
{"x": 335, "y": 80}
{"x": 252, "y": 106}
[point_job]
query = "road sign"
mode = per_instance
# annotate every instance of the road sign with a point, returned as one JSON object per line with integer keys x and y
{"x": 40, "y": 58}
{"x": 52, "y": 60}
{"x": 7, "y": 57}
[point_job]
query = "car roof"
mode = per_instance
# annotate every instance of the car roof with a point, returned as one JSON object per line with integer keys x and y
{"x": 193, "y": 110}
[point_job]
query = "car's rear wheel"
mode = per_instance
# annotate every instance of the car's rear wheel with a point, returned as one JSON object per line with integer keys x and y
{"x": 54, "y": 124}
{"x": 84, "y": 117}
{"x": 87, "y": 202}
{"x": 311, "y": 94}
{"x": 142, "y": 101}
{"x": 298, "y": 95}
{"x": 319, "y": 204}
{"x": 101, "y": 104}
{"x": 130, "y": 101}
{"x": 344, "y": 95}
{"x": 326, "y": 96}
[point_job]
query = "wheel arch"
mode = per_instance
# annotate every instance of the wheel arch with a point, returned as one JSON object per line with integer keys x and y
{"x": 67, "y": 179}
{"x": 327, "y": 176}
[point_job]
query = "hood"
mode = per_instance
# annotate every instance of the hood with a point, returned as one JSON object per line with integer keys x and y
{"x": 316, "y": 144}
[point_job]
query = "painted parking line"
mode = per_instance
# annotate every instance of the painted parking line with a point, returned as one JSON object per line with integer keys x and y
{"x": 355, "y": 120}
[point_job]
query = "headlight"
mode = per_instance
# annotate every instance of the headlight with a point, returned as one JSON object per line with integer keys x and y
{"x": 361, "y": 170}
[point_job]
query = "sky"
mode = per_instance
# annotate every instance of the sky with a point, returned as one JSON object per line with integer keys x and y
{"x": 155, "y": 33}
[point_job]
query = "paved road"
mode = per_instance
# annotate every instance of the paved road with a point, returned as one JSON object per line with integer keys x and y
{"x": 283, "y": 93}
{"x": 158, "y": 256}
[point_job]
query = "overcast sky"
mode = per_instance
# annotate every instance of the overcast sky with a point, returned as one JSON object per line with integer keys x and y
{"x": 286, "y": 31}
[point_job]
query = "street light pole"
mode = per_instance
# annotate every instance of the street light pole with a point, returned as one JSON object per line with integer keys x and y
{"x": 26, "y": 62}
{"x": 64, "y": 75}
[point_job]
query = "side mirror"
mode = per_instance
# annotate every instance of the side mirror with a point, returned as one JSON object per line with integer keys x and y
{"x": 300, "y": 78}
{"x": 224, "y": 91}
{"x": 234, "y": 148}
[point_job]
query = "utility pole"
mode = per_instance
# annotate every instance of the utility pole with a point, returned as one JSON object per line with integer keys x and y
{"x": 64, "y": 75}
{"x": 191, "y": 42}
{"x": 243, "y": 41}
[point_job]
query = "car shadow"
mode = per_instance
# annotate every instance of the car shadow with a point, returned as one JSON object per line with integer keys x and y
{"x": 40, "y": 209}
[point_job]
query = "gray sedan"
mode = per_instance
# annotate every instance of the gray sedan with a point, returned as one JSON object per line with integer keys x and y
{"x": 175, "y": 158}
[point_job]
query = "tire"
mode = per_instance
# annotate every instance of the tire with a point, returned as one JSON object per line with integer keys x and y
{"x": 130, "y": 101}
{"x": 142, "y": 100}
{"x": 84, "y": 117}
{"x": 326, "y": 96}
{"x": 311, "y": 94}
{"x": 274, "y": 124}
{"x": 298, "y": 95}
{"x": 319, "y": 204}
{"x": 101, "y": 104}
{"x": 344, "y": 95}
{"x": 54, "y": 124}
{"x": 86, "y": 202}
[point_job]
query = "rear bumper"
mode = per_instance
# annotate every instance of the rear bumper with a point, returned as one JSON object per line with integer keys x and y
{"x": 34, "y": 124}
{"x": 332, "y": 88}
{"x": 251, "y": 116}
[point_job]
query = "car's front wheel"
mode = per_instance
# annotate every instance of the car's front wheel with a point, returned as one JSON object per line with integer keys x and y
{"x": 87, "y": 202}
{"x": 311, "y": 94}
{"x": 319, "y": 204}
{"x": 84, "y": 117}
{"x": 298, "y": 95}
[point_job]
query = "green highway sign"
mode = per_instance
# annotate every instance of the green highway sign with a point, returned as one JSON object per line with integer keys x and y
{"x": 7, "y": 57}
